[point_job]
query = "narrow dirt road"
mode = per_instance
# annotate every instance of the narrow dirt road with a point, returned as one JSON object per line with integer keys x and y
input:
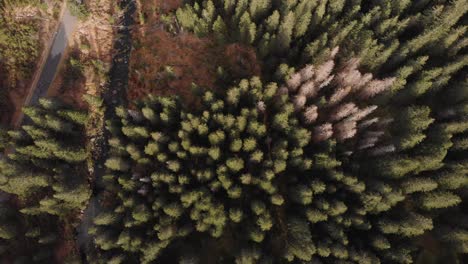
{"x": 49, "y": 68}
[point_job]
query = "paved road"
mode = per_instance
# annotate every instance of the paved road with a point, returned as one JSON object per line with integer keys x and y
{"x": 51, "y": 65}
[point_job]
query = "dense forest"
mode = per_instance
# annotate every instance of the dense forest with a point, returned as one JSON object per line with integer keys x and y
{"x": 350, "y": 146}
{"x": 43, "y": 181}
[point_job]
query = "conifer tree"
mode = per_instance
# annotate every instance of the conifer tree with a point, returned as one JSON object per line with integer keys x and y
{"x": 45, "y": 166}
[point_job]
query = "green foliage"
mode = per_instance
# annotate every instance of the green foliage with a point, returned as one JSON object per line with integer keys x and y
{"x": 354, "y": 153}
{"x": 300, "y": 244}
{"x": 438, "y": 200}
{"x": 411, "y": 125}
{"x": 189, "y": 190}
{"x": 47, "y": 168}
{"x": 77, "y": 9}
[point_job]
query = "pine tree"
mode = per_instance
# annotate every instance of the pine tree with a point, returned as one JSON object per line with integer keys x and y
{"x": 438, "y": 200}
{"x": 300, "y": 244}
{"x": 410, "y": 126}
{"x": 220, "y": 30}
{"x": 247, "y": 29}
{"x": 285, "y": 32}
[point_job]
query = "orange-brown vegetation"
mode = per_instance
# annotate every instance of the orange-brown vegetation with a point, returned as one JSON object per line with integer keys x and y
{"x": 68, "y": 88}
{"x": 164, "y": 63}
{"x": 167, "y": 5}
{"x": 91, "y": 49}
{"x": 241, "y": 60}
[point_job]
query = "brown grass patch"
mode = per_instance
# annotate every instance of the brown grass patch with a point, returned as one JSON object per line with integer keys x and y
{"x": 69, "y": 83}
{"x": 71, "y": 93}
{"x": 165, "y": 64}
{"x": 241, "y": 61}
{"x": 152, "y": 8}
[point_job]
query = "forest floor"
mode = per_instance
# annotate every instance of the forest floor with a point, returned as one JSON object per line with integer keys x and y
{"x": 167, "y": 61}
